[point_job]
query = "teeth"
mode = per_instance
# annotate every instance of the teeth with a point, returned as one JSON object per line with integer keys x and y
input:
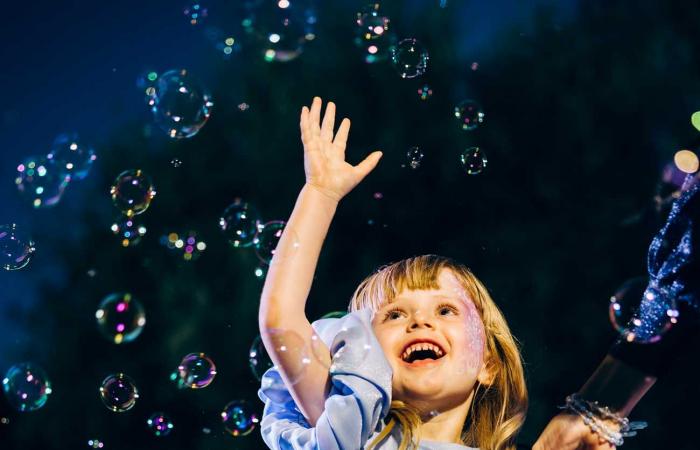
{"x": 422, "y": 346}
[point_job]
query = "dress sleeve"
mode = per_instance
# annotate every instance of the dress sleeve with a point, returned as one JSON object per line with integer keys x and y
{"x": 359, "y": 397}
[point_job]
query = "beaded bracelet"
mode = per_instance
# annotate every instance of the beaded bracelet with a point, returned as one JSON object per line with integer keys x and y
{"x": 594, "y": 416}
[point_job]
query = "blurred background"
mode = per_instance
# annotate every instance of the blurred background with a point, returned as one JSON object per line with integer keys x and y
{"x": 536, "y": 142}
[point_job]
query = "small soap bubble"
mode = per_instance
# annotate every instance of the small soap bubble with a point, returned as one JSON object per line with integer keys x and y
{"x": 258, "y": 358}
{"x": 244, "y": 106}
{"x": 132, "y": 192}
{"x": 72, "y": 156}
{"x": 425, "y": 92}
{"x": 181, "y": 105}
{"x": 120, "y": 317}
{"x": 4, "y": 420}
{"x": 129, "y": 230}
{"x": 175, "y": 162}
{"x": 415, "y": 157}
{"x": 196, "y": 371}
{"x": 410, "y": 58}
{"x": 473, "y": 160}
{"x": 95, "y": 443}
{"x": 286, "y": 343}
{"x": 641, "y": 312}
{"x": 469, "y": 115}
{"x": 118, "y": 392}
{"x": 40, "y": 182}
{"x": 195, "y": 12}
{"x": 239, "y": 418}
{"x": 260, "y": 272}
{"x": 240, "y": 223}
{"x": 16, "y": 248}
{"x": 26, "y": 387}
{"x": 267, "y": 239}
{"x": 159, "y": 424}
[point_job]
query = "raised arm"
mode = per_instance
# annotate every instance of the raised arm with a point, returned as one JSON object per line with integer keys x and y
{"x": 282, "y": 317}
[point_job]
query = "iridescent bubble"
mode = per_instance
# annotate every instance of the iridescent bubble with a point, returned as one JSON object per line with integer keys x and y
{"x": 281, "y": 27}
{"x": 240, "y": 222}
{"x": 195, "y": 12}
{"x": 26, "y": 387}
{"x": 132, "y": 192}
{"x": 640, "y": 312}
{"x": 335, "y": 315}
{"x": 267, "y": 239}
{"x": 425, "y": 92}
{"x": 129, "y": 231}
{"x": 371, "y": 22}
{"x": 40, "y": 181}
{"x": 473, "y": 160}
{"x": 160, "y": 424}
{"x": 95, "y": 443}
{"x": 415, "y": 157}
{"x": 16, "y": 248}
{"x": 239, "y": 418}
{"x": 410, "y": 58}
{"x": 73, "y": 157}
{"x": 469, "y": 114}
{"x": 188, "y": 244}
{"x": 258, "y": 358}
{"x": 120, "y": 317}
{"x": 118, "y": 392}
{"x": 175, "y": 162}
{"x": 196, "y": 371}
{"x": 180, "y": 104}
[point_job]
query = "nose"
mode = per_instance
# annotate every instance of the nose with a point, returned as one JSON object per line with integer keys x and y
{"x": 418, "y": 320}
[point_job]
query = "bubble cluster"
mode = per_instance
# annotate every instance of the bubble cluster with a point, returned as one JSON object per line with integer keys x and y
{"x": 188, "y": 244}
{"x": 40, "y": 181}
{"x": 282, "y": 28}
{"x": 16, "y": 248}
{"x": 132, "y": 192}
{"x": 267, "y": 239}
{"x": 239, "y": 419}
{"x": 425, "y": 92}
{"x": 240, "y": 223}
{"x": 72, "y": 157}
{"x": 181, "y": 105}
{"x": 159, "y": 424}
{"x": 196, "y": 371}
{"x": 118, "y": 392}
{"x": 640, "y": 312}
{"x": 26, "y": 387}
{"x": 129, "y": 230}
{"x": 469, "y": 115}
{"x": 120, "y": 317}
{"x": 95, "y": 443}
{"x": 415, "y": 157}
{"x": 258, "y": 359}
{"x": 372, "y": 34}
{"x": 195, "y": 12}
{"x": 473, "y": 160}
{"x": 410, "y": 58}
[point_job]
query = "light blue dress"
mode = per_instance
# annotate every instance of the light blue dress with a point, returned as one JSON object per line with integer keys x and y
{"x": 358, "y": 401}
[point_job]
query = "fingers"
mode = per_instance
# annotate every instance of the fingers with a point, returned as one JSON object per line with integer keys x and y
{"x": 368, "y": 164}
{"x": 304, "y": 125}
{"x": 328, "y": 122}
{"x": 315, "y": 117}
{"x": 341, "y": 137}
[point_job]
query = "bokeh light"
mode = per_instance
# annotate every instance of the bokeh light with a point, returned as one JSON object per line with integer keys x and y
{"x": 695, "y": 120}
{"x": 686, "y": 161}
{"x": 415, "y": 157}
{"x": 95, "y": 443}
{"x": 195, "y": 12}
{"x": 425, "y": 92}
{"x": 238, "y": 418}
{"x": 16, "y": 247}
{"x": 129, "y": 230}
{"x": 159, "y": 424}
{"x": 473, "y": 160}
{"x": 469, "y": 115}
{"x": 196, "y": 371}
{"x": 40, "y": 182}
{"x": 120, "y": 317}
{"x": 188, "y": 244}
{"x": 410, "y": 58}
{"x": 26, "y": 387}
{"x": 118, "y": 392}
{"x": 72, "y": 157}
{"x": 240, "y": 223}
{"x": 132, "y": 192}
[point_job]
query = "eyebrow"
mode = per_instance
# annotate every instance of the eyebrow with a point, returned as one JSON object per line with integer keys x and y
{"x": 435, "y": 296}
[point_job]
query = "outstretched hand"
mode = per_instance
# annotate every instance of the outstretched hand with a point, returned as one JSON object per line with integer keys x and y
{"x": 568, "y": 432}
{"x": 324, "y": 152}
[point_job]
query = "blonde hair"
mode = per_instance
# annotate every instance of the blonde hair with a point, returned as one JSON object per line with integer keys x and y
{"x": 498, "y": 411}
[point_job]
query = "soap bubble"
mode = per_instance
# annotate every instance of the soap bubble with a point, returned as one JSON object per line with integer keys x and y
{"x": 132, "y": 192}
{"x": 16, "y": 248}
{"x": 410, "y": 58}
{"x": 267, "y": 239}
{"x": 335, "y": 315}
{"x": 425, "y": 92}
{"x": 240, "y": 222}
{"x": 260, "y": 271}
{"x": 239, "y": 418}
{"x": 180, "y": 104}
{"x": 415, "y": 156}
{"x": 640, "y": 312}
{"x": 129, "y": 230}
{"x": 159, "y": 424}
{"x": 281, "y": 27}
{"x": 321, "y": 352}
{"x": 118, "y": 392}
{"x": 196, "y": 371}
{"x": 40, "y": 181}
{"x": 195, "y": 12}
{"x": 473, "y": 160}
{"x": 175, "y": 162}
{"x": 26, "y": 387}
{"x": 469, "y": 114}
{"x": 120, "y": 317}
{"x": 258, "y": 358}
{"x": 372, "y": 34}
{"x": 188, "y": 244}
{"x": 73, "y": 157}
{"x": 288, "y": 345}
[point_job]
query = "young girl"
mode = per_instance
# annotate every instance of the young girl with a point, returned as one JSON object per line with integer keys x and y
{"x": 424, "y": 358}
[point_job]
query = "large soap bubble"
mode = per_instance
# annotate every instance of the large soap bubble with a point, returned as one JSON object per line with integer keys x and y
{"x": 26, "y": 387}
{"x": 239, "y": 418}
{"x": 410, "y": 58}
{"x": 16, "y": 248}
{"x": 473, "y": 160}
{"x": 40, "y": 181}
{"x": 469, "y": 114}
{"x": 132, "y": 192}
{"x": 120, "y": 317}
{"x": 73, "y": 157}
{"x": 118, "y": 392}
{"x": 240, "y": 223}
{"x": 195, "y": 371}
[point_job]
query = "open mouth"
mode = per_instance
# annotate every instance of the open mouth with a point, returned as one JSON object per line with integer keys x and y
{"x": 421, "y": 353}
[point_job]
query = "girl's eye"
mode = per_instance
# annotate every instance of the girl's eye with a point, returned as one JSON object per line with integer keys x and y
{"x": 446, "y": 309}
{"x": 392, "y": 314}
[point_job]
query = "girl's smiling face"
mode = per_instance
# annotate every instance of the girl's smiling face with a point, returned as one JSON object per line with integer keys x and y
{"x": 434, "y": 342}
